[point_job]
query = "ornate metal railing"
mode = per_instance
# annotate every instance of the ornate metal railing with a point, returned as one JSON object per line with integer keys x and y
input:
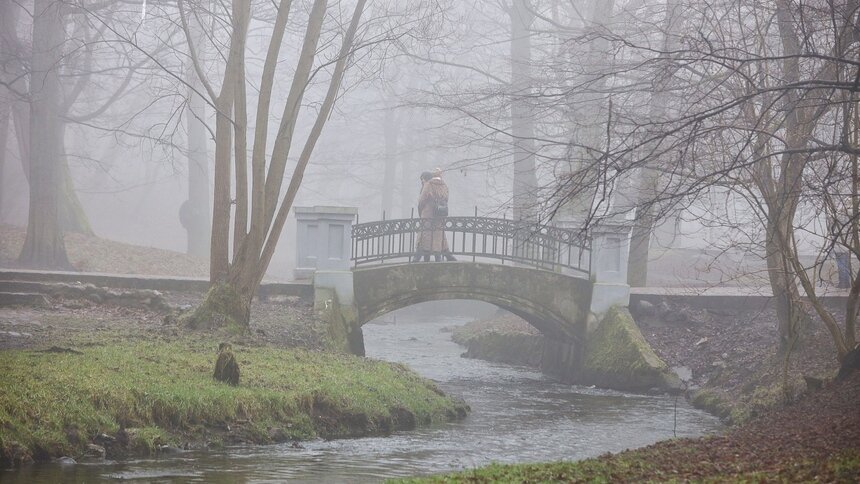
{"x": 478, "y": 238}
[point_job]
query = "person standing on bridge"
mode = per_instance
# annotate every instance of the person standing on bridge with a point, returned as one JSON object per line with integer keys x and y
{"x": 433, "y": 205}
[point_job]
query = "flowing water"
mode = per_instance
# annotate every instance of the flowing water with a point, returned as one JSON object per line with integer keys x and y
{"x": 518, "y": 415}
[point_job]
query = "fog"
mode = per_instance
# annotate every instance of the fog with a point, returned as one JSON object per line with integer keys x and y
{"x": 607, "y": 203}
{"x": 571, "y": 114}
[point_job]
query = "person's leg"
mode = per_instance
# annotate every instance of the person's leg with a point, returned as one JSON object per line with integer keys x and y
{"x": 437, "y": 256}
{"x": 449, "y": 256}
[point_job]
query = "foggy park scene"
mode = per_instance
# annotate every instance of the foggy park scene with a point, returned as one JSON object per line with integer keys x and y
{"x": 429, "y": 241}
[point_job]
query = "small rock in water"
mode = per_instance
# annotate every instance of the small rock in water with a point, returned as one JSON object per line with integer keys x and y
{"x": 95, "y": 451}
{"x": 168, "y": 449}
{"x": 66, "y": 461}
{"x": 296, "y": 445}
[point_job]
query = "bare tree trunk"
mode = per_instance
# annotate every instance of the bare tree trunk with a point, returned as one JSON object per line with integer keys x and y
{"x": 522, "y": 115}
{"x": 198, "y": 222}
{"x": 73, "y": 218}
{"x": 391, "y": 131}
{"x": 647, "y": 179}
{"x": 195, "y": 214}
{"x": 44, "y": 246}
{"x": 589, "y": 113}
{"x": 233, "y": 285}
{"x": 5, "y": 114}
{"x": 410, "y": 171}
{"x": 21, "y": 123}
{"x": 790, "y": 314}
{"x": 15, "y": 112}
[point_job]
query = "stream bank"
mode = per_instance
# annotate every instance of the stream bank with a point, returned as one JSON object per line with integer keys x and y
{"x": 728, "y": 356}
{"x": 95, "y": 381}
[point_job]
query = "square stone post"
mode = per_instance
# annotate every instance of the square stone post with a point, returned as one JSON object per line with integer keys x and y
{"x": 323, "y": 239}
{"x": 323, "y": 252}
{"x": 610, "y": 247}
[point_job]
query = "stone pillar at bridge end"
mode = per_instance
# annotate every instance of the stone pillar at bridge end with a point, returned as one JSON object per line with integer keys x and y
{"x": 323, "y": 253}
{"x": 323, "y": 239}
{"x": 610, "y": 246}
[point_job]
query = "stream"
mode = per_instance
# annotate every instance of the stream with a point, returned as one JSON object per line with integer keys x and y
{"x": 518, "y": 415}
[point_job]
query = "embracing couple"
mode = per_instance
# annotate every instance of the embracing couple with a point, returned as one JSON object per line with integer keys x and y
{"x": 433, "y": 208}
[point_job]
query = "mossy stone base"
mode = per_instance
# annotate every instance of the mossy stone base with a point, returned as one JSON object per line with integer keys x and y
{"x": 511, "y": 348}
{"x": 618, "y": 356}
{"x": 344, "y": 334}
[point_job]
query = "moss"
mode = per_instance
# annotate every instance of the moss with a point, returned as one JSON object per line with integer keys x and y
{"x": 711, "y": 402}
{"x": 506, "y": 347}
{"x": 157, "y": 393}
{"x": 222, "y": 307}
{"x": 618, "y": 356}
{"x": 146, "y": 440}
{"x": 327, "y": 309}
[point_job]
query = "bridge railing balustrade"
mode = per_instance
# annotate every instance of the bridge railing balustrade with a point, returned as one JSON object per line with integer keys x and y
{"x": 481, "y": 238}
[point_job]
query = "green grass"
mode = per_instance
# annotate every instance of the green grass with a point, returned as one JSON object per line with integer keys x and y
{"x": 55, "y": 403}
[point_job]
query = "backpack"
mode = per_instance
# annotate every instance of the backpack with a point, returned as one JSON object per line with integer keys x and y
{"x": 441, "y": 209}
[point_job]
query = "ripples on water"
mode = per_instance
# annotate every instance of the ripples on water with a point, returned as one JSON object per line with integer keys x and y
{"x": 518, "y": 415}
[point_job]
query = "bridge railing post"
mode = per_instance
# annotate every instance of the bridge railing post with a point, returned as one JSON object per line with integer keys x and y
{"x": 323, "y": 239}
{"x": 610, "y": 246}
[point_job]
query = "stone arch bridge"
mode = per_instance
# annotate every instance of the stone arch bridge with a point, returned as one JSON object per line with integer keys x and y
{"x": 557, "y": 280}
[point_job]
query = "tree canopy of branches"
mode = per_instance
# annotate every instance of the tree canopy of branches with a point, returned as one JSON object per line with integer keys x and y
{"x": 645, "y": 108}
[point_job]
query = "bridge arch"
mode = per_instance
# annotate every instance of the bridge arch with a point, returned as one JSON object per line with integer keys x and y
{"x": 556, "y": 304}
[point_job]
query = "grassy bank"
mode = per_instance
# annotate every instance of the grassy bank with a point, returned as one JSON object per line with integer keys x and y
{"x": 816, "y": 439}
{"x": 133, "y": 397}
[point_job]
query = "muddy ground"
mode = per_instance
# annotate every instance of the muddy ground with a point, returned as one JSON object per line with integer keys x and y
{"x": 280, "y": 321}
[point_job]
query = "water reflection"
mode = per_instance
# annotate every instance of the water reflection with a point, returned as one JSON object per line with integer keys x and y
{"x": 518, "y": 415}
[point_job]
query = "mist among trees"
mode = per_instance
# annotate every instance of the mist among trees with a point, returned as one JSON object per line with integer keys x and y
{"x": 197, "y": 126}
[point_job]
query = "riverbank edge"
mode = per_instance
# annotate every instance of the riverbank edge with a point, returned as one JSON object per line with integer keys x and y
{"x": 815, "y": 440}
{"x": 505, "y": 343}
{"x": 616, "y": 356}
{"x": 108, "y": 399}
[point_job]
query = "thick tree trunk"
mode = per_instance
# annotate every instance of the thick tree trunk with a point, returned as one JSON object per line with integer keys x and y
{"x": 73, "y": 218}
{"x": 647, "y": 179}
{"x": 522, "y": 115}
{"x": 223, "y": 307}
{"x": 44, "y": 246}
{"x": 219, "y": 261}
{"x": 791, "y": 316}
{"x": 195, "y": 215}
{"x": 640, "y": 243}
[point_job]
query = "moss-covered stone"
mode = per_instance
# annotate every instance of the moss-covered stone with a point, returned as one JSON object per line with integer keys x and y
{"x": 344, "y": 334}
{"x": 618, "y": 356}
{"x": 510, "y": 347}
{"x": 712, "y": 403}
